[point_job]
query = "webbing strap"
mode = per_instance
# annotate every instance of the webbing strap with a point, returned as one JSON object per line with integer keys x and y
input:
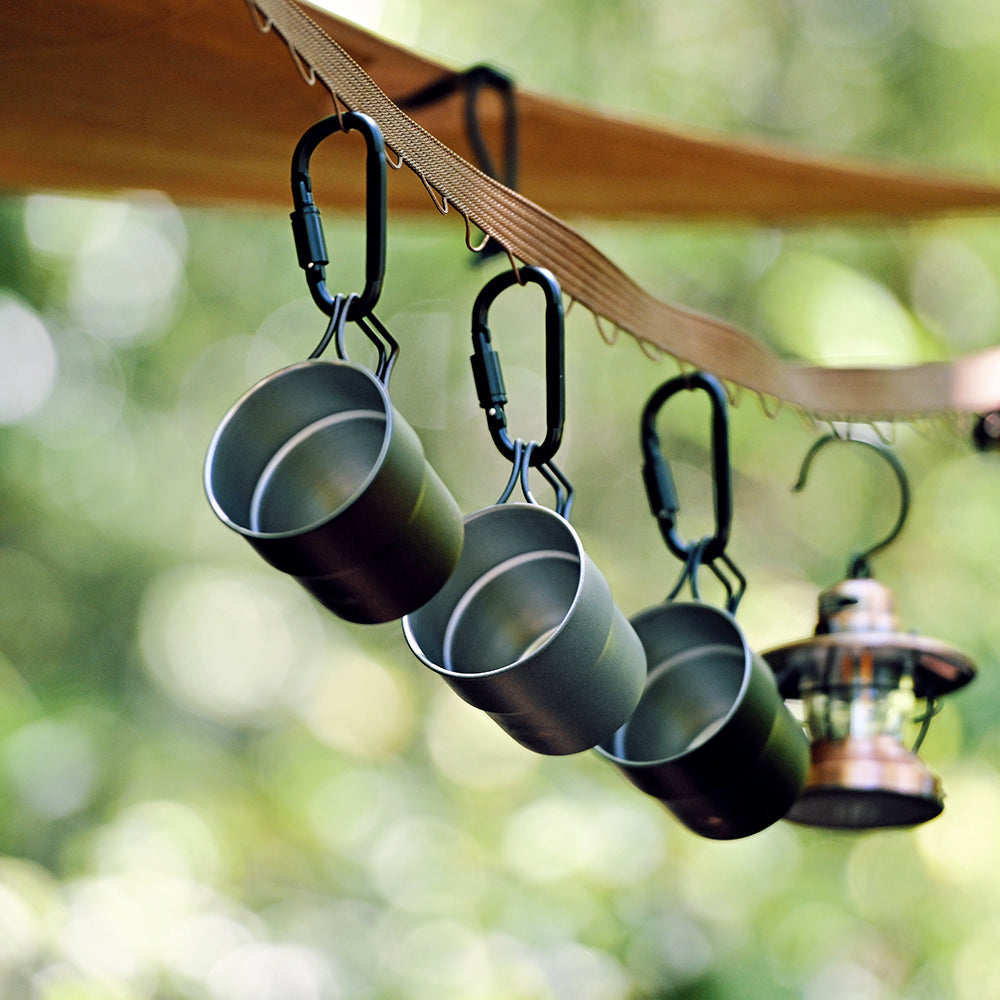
{"x": 967, "y": 385}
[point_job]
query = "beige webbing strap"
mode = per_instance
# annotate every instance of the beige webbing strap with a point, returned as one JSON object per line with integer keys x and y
{"x": 968, "y": 385}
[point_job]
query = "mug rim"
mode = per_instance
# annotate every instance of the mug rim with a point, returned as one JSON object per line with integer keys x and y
{"x": 520, "y": 662}
{"x": 258, "y": 386}
{"x": 721, "y": 722}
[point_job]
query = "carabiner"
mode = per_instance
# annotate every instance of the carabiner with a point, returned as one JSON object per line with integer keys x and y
{"x": 307, "y": 228}
{"x": 489, "y": 378}
{"x": 659, "y": 481}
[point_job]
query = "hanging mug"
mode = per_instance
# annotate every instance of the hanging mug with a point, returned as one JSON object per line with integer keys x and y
{"x": 319, "y": 472}
{"x": 711, "y": 737}
{"x": 526, "y": 628}
{"x": 527, "y": 631}
{"x": 316, "y": 468}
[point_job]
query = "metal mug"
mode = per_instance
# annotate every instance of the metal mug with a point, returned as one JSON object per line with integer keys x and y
{"x": 526, "y": 630}
{"x": 319, "y": 472}
{"x": 711, "y": 737}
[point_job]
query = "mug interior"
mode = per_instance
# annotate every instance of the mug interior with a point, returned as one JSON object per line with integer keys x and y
{"x": 687, "y": 699}
{"x": 317, "y": 471}
{"x": 510, "y": 612}
{"x": 517, "y": 580}
{"x": 298, "y": 447}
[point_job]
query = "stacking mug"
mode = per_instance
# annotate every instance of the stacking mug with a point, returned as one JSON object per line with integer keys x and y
{"x": 319, "y": 472}
{"x": 711, "y": 737}
{"x": 526, "y": 630}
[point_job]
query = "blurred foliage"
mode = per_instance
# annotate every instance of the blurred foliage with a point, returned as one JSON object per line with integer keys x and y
{"x": 213, "y": 790}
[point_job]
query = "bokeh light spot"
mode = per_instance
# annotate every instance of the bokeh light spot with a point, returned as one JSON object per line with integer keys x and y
{"x": 976, "y": 968}
{"x": 159, "y": 836}
{"x": 358, "y": 706}
{"x": 129, "y": 287}
{"x": 271, "y": 971}
{"x": 960, "y": 846}
{"x": 62, "y": 226}
{"x": 226, "y": 644}
{"x": 547, "y": 840}
{"x": 576, "y": 972}
{"x": 955, "y": 294}
{"x": 28, "y": 373}
{"x": 425, "y": 865}
{"x": 89, "y": 394}
{"x": 470, "y": 749}
{"x": 886, "y": 875}
{"x": 839, "y": 315}
{"x": 53, "y": 764}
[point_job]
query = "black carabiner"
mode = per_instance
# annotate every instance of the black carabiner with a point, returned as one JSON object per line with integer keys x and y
{"x": 489, "y": 378}
{"x": 307, "y": 228}
{"x": 659, "y": 481}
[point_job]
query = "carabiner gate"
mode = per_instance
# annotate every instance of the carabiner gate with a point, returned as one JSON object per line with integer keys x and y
{"x": 307, "y": 228}
{"x": 488, "y": 377}
{"x": 659, "y": 481}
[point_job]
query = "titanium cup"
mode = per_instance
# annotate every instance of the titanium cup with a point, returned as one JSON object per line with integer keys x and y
{"x": 318, "y": 471}
{"x": 712, "y": 737}
{"x": 527, "y": 631}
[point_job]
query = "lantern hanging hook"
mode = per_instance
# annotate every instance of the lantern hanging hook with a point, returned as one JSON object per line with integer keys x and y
{"x": 860, "y": 566}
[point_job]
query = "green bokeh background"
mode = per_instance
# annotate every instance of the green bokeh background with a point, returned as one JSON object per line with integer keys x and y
{"x": 210, "y": 789}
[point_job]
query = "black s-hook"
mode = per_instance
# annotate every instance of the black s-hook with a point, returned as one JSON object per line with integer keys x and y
{"x": 860, "y": 567}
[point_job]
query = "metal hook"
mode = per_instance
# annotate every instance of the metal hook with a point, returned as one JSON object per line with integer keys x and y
{"x": 859, "y": 567}
{"x": 521, "y": 463}
{"x": 562, "y": 487}
{"x": 386, "y": 359}
{"x": 334, "y": 328}
{"x": 385, "y": 344}
{"x": 488, "y": 376}
{"x": 308, "y": 229}
{"x": 476, "y": 77}
{"x": 659, "y": 481}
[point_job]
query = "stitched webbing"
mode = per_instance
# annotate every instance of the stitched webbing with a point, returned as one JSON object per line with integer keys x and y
{"x": 968, "y": 385}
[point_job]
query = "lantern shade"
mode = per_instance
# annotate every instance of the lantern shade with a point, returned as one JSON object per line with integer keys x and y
{"x": 857, "y": 617}
{"x": 855, "y": 695}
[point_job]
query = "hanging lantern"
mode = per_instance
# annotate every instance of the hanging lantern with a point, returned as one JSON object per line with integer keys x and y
{"x": 860, "y": 680}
